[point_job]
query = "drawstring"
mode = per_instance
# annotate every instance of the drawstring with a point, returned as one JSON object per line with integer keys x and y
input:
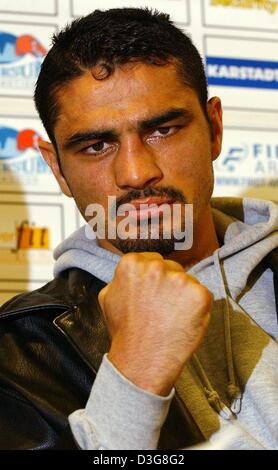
{"x": 211, "y": 394}
{"x": 233, "y": 390}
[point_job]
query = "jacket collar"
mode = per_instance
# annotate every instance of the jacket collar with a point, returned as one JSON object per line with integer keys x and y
{"x": 83, "y": 323}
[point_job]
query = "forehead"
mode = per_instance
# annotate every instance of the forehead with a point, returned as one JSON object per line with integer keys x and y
{"x": 132, "y": 93}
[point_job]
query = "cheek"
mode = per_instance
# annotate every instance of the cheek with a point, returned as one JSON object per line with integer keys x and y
{"x": 89, "y": 184}
{"x": 190, "y": 161}
{"x": 188, "y": 167}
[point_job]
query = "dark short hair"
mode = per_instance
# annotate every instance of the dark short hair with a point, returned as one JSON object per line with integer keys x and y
{"x": 110, "y": 38}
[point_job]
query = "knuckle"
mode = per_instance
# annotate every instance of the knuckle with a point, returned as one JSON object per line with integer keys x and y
{"x": 157, "y": 266}
{"x": 205, "y": 295}
{"x": 179, "y": 279}
{"x": 191, "y": 279}
{"x": 126, "y": 262}
{"x": 201, "y": 294}
{"x": 130, "y": 257}
{"x": 177, "y": 267}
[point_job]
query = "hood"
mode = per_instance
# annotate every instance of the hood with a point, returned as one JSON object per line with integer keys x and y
{"x": 79, "y": 251}
{"x": 247, "y": 231}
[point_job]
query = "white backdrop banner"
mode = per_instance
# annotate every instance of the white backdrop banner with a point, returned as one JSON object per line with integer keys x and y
{"x": 238, "y": 40}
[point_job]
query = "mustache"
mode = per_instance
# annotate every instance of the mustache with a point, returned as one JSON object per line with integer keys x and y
{"x": 166, "y": 191}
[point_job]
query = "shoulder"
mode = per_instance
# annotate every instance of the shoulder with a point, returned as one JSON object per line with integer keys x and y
{"x": 57, "y": 295}
{"x": 51, "y": 293}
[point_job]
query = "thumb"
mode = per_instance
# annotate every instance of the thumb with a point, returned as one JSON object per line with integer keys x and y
{"x": 101, "y": 296}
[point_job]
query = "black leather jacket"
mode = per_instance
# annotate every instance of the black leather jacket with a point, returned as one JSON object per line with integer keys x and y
{"x": 51, "y": 346}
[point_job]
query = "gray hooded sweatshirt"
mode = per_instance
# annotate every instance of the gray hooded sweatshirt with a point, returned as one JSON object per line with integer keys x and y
{"x": 230, "y": 385}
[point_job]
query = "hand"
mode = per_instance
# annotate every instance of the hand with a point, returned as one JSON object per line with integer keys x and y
{"x": 156, "y": 316}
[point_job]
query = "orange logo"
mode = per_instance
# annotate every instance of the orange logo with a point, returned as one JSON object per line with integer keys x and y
{"x": 31, "y": 237}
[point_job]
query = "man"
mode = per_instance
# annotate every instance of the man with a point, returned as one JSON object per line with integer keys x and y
{"x": 142, "y": 345}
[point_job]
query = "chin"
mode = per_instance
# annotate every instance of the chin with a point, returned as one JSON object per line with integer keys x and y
{"x": 164, "y": 247}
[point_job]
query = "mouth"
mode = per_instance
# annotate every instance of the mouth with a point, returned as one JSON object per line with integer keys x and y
{"x": 148, "y": 208}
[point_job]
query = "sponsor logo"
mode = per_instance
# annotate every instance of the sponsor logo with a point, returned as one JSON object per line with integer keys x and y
{"x": 233, "y": 157}
{"x": 29, "y": 236}
{"x": 268, "y": 5}
{"x": 26, "y": 236}
{"x": 20, "y": 60}
{"x": 249, "y": 73}
{"x": 28, "y": 232}
{"x": 19, "y": 153}
{"x": 248, "y": 164}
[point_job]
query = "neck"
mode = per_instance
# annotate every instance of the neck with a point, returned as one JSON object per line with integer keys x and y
{"x": 205, "y": 242}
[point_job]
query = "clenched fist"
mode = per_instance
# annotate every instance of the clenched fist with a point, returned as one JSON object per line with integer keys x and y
{"x": 157, "y": 316}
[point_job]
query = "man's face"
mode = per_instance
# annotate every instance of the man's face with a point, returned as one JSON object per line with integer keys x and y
{"x": 139, "y": 135}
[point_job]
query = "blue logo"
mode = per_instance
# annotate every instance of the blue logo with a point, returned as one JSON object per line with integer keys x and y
{"x": 233, "y": 157}
{"x": 20, "y": 61}
{"x": 14, "y": 143}
{"x": 249, "y": 73}
{"x": 13, "y": 48}
{"x": 19, "y": 152}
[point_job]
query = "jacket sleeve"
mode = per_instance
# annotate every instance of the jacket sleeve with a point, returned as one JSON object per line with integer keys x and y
{"x": 30, "y": 416}
{"x": 22, "y": 427}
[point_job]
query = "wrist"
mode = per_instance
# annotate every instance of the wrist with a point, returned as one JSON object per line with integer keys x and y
{"x": 143, "y": 374}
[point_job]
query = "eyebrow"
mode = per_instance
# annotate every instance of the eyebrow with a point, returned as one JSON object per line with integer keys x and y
{"x": 87, "y": 136}
{"x": 144, "y": 125}
{"x": 168, "y": 115}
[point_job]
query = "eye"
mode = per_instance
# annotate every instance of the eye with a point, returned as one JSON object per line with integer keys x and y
{"x": 161, "y": 132}
{"x": 98, "y": 148}
{"x": 164, "y": 130}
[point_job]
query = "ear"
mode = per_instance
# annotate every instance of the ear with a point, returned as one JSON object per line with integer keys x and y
{"x": 49, "y": 154}
{"x": 214, "y": 109}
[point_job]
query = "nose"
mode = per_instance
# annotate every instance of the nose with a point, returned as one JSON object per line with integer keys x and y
{"x": 135, "y": 165}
